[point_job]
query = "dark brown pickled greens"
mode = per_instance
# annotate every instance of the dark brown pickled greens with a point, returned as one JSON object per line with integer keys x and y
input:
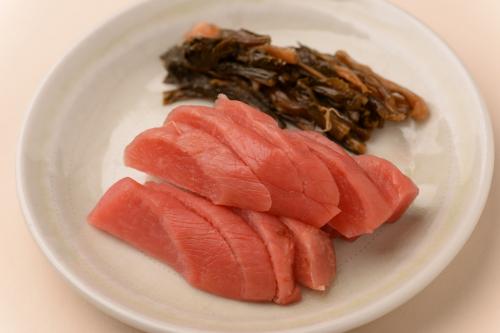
{"x": 333, "y": 94}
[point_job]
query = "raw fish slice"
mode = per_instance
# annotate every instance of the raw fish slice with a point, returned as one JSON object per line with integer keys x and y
{"x": 363, "y": 208}
{"x": 320, "y": 195}
{"x": 249, "y": 250}
{"x": 270, "y": 164}
{"x": 196, "y": 161}
{"x": 280, "y": 244}
{"x": 320, "y": 138}
{"x": 314, "y": 255}
{"x": 332, "y": 233}
{"x": 162, "y": 227}
{"x": 398, "y": 190}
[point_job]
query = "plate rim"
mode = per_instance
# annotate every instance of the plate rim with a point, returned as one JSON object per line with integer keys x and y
{"x": 366, "y": 314}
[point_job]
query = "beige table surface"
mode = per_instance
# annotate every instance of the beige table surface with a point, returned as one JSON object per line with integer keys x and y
{"x": 34, "y": 298}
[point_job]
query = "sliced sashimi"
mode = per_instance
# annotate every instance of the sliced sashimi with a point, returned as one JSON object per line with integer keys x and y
{"x": 363, "y": 207}
{"x": 332, "y": 233}
{"x": 320, "y": 138}
{"x": 280, "y": 244}
{"x": 314, "y": 255}
{"x": 244, "y": 111}
{"x": 320, "y": 195}
{"x": 398, "y": 190}
{"x": 196, "y": 161}
{"x": 164, "y": 228}
{"x": 246, "y": 245}
{"x": 270, "y": 164}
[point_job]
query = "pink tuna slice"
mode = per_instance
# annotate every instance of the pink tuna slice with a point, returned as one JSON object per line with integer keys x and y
{"x": 362, "y": 204}
{"x": 332, "y": 233}
{"x": 320, "y": 196}
{"x": 270, "y": 164}
{"x": 279, "y": 242}
{"x": 162, "y": 227}
{"x": 320, "y": 138}
{"x": 249, "y": 250}
{"x": 242, "y": 112}
{"x": 314, "y": 255}
{"x": 196, "y": 161}
{"x": 398, "y": 190}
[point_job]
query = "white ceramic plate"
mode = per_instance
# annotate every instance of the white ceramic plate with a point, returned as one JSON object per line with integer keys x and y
{"x": 108, "y": 89}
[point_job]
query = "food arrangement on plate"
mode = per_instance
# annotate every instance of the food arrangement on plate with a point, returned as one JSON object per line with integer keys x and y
{"x": 110, "y": 88}
{"x": 346, "y": 100}
{"x": 242, "y": 206}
